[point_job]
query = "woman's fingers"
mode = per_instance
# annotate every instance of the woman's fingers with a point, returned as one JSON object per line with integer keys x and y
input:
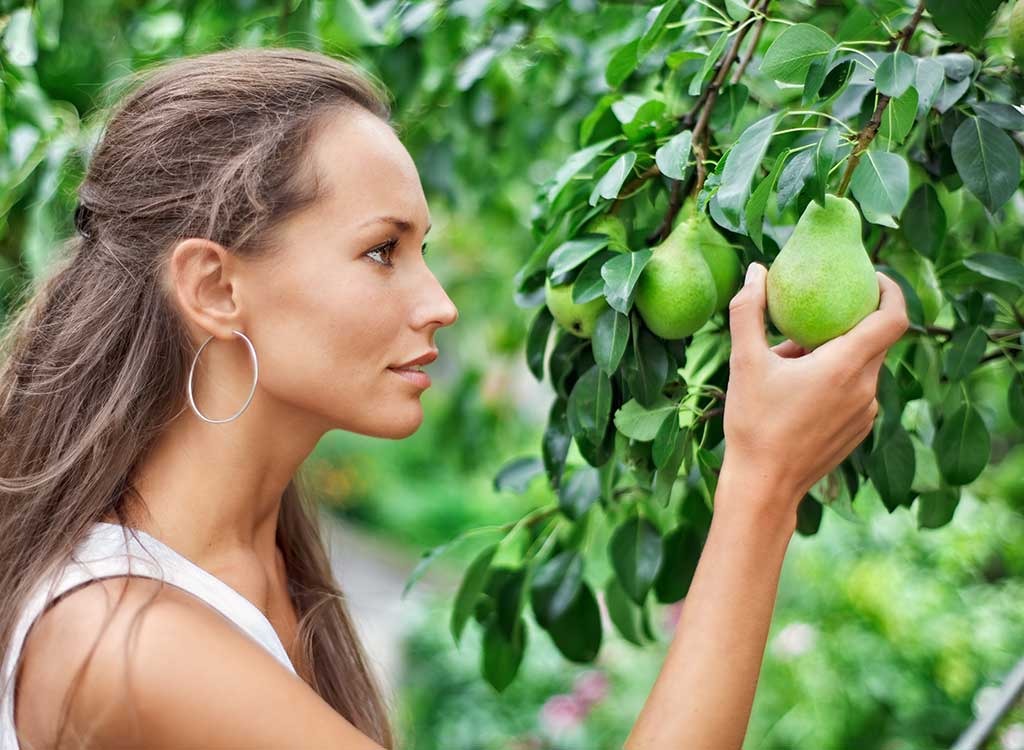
{"x": 875, "y": 333}
{"x": 789, "y": 349}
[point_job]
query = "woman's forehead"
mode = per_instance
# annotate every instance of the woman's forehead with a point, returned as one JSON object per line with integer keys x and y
{"x": 367, "y": 172}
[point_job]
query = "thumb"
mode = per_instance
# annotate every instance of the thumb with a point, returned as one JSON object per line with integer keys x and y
{"x": 746, "y": 312}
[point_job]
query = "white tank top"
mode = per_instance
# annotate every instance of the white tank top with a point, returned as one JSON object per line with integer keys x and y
{"x": 104, "y": 553}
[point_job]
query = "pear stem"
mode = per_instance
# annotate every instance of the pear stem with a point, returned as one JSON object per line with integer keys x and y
{"x": 868, "y": 133}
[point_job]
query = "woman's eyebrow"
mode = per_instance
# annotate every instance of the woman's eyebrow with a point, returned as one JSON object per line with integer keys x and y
{"x": 402, "y": 225}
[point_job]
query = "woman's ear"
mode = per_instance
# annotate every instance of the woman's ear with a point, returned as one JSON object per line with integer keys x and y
{"x": 203, "y": 283}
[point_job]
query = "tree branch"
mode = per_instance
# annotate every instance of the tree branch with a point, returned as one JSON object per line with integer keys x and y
{"x": 868, "y": 133}
{"x": 696, "y": 118}
{"x": 700, "y": 130}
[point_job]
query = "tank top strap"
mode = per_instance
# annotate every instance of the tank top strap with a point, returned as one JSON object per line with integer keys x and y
{"x": 110, "y": 550}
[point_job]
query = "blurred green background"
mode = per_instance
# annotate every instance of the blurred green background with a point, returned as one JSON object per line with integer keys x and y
{"x": 884, "y": 636}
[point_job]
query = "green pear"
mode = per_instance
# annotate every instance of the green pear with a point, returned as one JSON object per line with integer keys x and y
{"x": 676, "y": 294}
{"x": 577, "y": 318}
{"x": 822, "y": 283}
{"x": 1017, "y": 30}
{"x": 721, "y": 257}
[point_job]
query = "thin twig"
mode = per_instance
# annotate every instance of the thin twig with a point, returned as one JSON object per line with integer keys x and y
{"x": 868, "y": 133}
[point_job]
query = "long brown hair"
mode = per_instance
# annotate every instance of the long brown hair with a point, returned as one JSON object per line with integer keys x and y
{"x": 95, "y": 361}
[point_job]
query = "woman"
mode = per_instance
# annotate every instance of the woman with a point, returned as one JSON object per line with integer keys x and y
{"x": 256, "y": 207}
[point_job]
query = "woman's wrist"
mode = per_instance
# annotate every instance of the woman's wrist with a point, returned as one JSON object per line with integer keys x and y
{"x": 756, "y": 496}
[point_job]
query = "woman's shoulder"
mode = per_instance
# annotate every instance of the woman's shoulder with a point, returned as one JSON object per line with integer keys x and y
{"x": 159, "y": 664}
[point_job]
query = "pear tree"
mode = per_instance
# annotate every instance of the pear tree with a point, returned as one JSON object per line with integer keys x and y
{"x": 883, "y": 136}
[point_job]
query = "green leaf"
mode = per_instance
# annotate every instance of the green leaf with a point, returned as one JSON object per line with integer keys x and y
{"x": 666, "y": 440}
{"x": 963, "y": 20}
{"x": 742, "y": 164}
{"x": 936, "y": 508}
{"x": 588, "y": 284}
{"x": 681, "y": 550}
{"x": 924, "y": 221}
{"x": 470, "y": 589}
{"x": 611, "y": 335}
{"x": 987, "y": 161}
{"x": 555, "y": 442}
{"x": 573, "y": 165}
{"x": 792, "y": 53}
{"x": 555, "y": 586}
{"x": 737, "y": 10}
{"x": 577, "y": 633}
{"x": 650, "y": 37}
{"x": 1015, "y": 399}
{"x": 881, "y": 184}
{"x": 673, "y": 156}
{"x": 997, "y": 266}
{"x": 611, "y": 182}
{"x": 19, "y": 38}
{"x": 928, "y": 81}
{"x": 962, "y": 446}
{"x": 650, "y": 365}
{"x": 636, "y": 555}
{"x": 623, "y": 63}
{"x": 825, "y": 154}
{"x": 624, "y": 614}
{"x": 516, "y": 474}
{"x": 581, "y": 490}
{"x": 501, "y": 655}
{"x": 570, "y": 254}
{"x": 759, "y": 200}
{"x": 895, "y": 74}
{"x": 638, "y": 422}
{"x": 899, "y": 116}
{"x": 965, "y": 351}
{"x": 891, "y": 468}
{"x": 715, "y": 52}
{"x": 620, "y": 275}
{"x": 808, "y": 515}
{"x": 537, "y": 341}
{"x": 1001, "y": 115}
{"x": 590, "y": 405}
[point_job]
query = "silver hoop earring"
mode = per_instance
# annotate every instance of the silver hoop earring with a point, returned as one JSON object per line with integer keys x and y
{"x": 255, "y": 378}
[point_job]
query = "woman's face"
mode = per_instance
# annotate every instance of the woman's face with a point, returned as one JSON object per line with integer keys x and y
{"x": 348, "y": 294}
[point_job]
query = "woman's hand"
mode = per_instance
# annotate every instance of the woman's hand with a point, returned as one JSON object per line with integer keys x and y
{"x": 792, "y": 416}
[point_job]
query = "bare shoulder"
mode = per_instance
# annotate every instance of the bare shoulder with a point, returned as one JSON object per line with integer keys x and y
{"x": 166, "y": 671}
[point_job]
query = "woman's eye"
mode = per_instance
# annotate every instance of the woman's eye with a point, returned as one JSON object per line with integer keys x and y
{"x": 386, "y": 249}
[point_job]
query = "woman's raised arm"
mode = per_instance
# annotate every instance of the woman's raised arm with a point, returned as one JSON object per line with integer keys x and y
{"x": 790, "y": 418}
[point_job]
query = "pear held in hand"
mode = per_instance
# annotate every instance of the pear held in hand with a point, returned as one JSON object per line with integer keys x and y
{"x": 676, "y": 294}
{"x": 822, "y": 283}
{"x": 577, "y": 318}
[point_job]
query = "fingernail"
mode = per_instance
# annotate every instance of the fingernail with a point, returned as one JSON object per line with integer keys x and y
{"x": 753, "y": 272}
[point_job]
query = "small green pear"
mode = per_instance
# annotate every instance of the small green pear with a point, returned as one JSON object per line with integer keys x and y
{"x": 676, "y": 294}
{"x": 822, "y": 283}
{"x": 722, "y": 260}
{"x": 721, "y": 257}
{"x": 577, "y": 318}
{"x": 1017, "y": 31}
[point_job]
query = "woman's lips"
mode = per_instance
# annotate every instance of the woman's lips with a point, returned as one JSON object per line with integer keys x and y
{"x": 416, "y": 377}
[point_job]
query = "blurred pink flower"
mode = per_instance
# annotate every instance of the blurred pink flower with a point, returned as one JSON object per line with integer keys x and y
{"x": 590, "y": 687}
{"x": 562, "y": 712}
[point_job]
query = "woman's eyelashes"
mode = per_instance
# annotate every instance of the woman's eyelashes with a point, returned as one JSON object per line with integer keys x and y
{"x": 387, "y": 250}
